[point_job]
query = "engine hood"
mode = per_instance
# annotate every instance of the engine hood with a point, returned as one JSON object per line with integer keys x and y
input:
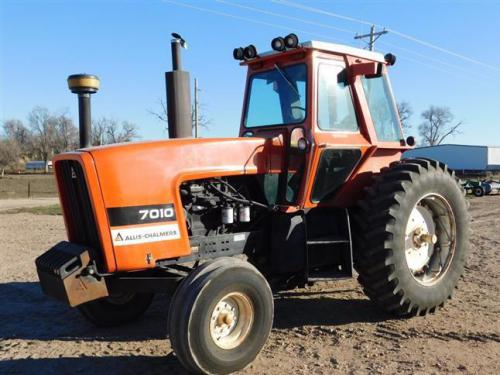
{"x": 136, "y": 178}
{"x": 142, "y": 172}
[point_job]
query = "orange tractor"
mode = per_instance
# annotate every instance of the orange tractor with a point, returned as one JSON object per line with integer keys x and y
{"x": 313, "y": 188}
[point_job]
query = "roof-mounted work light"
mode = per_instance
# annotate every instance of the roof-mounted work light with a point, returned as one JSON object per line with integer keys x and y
{"x": 239, "y": 53}
{"x": 278, "y": 44}
{"x": 390, "y": 59}
{"x": 246, "y": 53}
{"x": 291, "y": 41}
{"x": 250, "y": 52}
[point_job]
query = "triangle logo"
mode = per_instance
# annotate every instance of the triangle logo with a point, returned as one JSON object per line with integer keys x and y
{"x": 118, "y": 237}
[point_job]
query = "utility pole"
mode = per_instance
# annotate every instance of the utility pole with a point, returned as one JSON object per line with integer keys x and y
{"x": 196, "y": 108}
{"x": 373, "y": 36}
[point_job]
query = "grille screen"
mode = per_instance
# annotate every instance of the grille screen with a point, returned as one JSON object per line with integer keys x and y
{"x": 78, "y": 207}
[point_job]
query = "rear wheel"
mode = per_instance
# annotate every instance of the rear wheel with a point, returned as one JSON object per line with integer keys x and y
{"x": 116, "y": 309}
{"x": 412, "y": 237}
{"x": 220, "y": 317}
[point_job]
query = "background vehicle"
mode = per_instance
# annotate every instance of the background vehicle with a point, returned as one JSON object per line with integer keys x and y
{"x": 313, "y": 187}
{"x": 480, "y": 188}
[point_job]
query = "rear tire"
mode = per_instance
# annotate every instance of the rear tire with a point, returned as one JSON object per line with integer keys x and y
{"x": 220, "y": 317}
{"x": 412, "y": 236}
{"x": 116, "y": 310}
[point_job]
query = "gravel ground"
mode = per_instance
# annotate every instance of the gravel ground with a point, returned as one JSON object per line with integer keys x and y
{"x": 327, "y": 329}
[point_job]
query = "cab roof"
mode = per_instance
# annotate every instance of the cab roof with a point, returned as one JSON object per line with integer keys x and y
{"x": 334, "y": 48}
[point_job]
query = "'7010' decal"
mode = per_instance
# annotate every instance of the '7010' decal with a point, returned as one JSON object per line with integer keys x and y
{"x": 157, "y": 213}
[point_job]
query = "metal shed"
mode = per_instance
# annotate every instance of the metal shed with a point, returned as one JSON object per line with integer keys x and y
{"x": 461, "y": 157}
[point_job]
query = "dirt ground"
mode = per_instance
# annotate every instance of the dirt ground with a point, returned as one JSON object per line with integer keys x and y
{"x": 327, "y": 329}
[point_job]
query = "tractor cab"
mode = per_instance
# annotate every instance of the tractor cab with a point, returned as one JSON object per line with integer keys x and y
{"x": 330, "y": 106}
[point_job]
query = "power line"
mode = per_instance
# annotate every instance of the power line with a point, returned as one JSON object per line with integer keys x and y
{"x": 324, "y": 37}
{"x": 229, "y": 15}
{"x": 429, "y": 58}
{"x": 321, "y": 11}
{"x": 398, "y": 33}
{"x": 258, "y": 10}
{"x": 435, "y": 67}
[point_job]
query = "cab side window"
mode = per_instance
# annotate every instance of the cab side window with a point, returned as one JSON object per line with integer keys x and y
{"x": 335, "y": 106}
{"x": 382, "y": 108}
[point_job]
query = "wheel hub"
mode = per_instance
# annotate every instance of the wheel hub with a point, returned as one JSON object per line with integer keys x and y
{"x": 231, "y": 320}
{"x": 420, "y": 238}
{"x": 430, "y": 239}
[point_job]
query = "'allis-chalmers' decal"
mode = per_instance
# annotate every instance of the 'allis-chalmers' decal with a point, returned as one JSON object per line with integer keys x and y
{"x": 157, "y": 213}
{"x": 151, "y": 233}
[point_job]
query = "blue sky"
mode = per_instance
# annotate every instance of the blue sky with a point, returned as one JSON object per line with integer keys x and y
{"x": 127, "y": 44}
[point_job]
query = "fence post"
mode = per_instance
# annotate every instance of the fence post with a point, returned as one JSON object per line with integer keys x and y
{"x": 29, "y": 189}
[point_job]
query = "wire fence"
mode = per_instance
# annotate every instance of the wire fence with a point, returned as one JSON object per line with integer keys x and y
{"x": 28, "y": 186}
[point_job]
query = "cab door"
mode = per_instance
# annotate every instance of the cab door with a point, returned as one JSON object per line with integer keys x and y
{"x": 339, "y": 141}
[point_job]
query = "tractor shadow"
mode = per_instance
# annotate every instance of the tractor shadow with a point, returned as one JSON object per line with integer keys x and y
{"x": 119, "y": 364}
{"x": 298, "y": 309}
{"x": 26, "y": 314}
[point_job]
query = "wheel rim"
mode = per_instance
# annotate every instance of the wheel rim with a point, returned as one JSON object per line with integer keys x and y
{"x": 231, "y": 320}
{"x": 430, "y": 239}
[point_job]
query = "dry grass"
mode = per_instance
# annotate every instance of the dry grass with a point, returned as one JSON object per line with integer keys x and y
{"x": 54, "y": 209}
{"x": 16, "y": 186}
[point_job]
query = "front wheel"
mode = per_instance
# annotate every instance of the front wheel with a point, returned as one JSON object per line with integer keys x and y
{"x": 412, "y": 237}
{"x": 220, "y": 317}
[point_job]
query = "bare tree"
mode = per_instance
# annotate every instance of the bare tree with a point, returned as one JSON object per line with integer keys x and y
{"x": 128, "y": 132}
{"x": 10, "y": 153}
{"x": 405, "y": 112}
{"x": 438, "y": 125}
{"x": 162, "y": 115}
{"x": 111, "y": 130}
{"x": 66, "y": 134}
{"x": 107, "y": 131}
{"x": 98, "y": 131}
{"x": 15, "y": 131}
{"x": 43, "y": 128}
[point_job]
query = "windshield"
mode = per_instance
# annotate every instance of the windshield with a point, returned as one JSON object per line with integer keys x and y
{"x": 277, "y": 97}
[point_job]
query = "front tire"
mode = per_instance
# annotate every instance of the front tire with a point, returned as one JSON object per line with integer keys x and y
{"x": 220, "y": 317}
{"x": 412, "y": 237}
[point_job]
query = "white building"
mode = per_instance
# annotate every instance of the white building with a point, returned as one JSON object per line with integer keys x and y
{"x": 461, "y": 157}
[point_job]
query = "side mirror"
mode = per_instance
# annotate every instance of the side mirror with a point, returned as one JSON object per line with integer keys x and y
{"x": 371, "y": 68}
{"x": 298, "y": 141}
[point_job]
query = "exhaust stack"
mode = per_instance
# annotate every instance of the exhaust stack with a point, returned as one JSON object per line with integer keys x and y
{"x": 178, "y": 94}
{"x": 84, "y": 85}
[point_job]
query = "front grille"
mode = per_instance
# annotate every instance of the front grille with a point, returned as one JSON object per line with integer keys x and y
{"x": 77, "y": 207}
